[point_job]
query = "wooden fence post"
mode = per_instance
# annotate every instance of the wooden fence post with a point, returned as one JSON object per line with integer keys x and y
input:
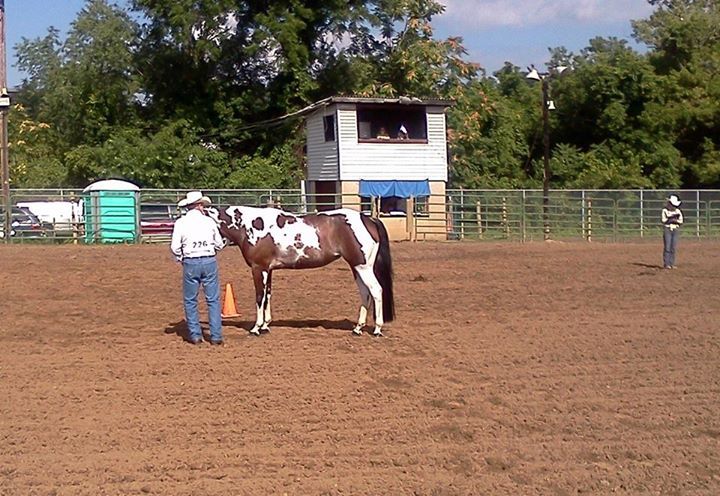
{"x": 410, "y": 217}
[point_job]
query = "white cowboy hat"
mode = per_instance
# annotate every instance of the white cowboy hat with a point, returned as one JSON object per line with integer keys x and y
{"x": 674, "y": 200}
{"x": 194, "y": 197}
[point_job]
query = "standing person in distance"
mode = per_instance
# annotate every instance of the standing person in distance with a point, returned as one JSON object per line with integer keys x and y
{"x": 672, "y": 219}
{"x": 195, "y": 242}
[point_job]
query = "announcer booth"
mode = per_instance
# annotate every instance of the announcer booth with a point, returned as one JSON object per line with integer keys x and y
{"x": 386, "y": 156}
{"x": 111, "y": 215}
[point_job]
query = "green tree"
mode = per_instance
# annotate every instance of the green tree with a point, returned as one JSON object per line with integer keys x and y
{"x": 84, "y": 86}
{"x": 492, "y": 133}
{"x": 685, "y": 48}
{"x": 170, "y": 158}
{"x": 33, "y": 162}
{"x": 77, "y": 93}
{"x": 610, "y": 108}
{"x": 410, "y": 60}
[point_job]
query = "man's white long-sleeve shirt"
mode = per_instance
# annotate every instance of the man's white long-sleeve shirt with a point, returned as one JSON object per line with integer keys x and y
{"x": 195, "y": 235}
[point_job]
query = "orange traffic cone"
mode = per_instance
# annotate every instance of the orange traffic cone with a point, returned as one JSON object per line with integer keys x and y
{"x": 228, "y": 309}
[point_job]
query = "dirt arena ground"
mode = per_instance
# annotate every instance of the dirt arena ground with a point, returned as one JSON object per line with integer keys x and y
{"x": 545, "y": 368}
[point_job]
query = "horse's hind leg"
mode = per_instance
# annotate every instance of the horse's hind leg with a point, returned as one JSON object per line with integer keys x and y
{"x": 364, "y": 303}
{"x": 260, "y": 278}
{"x": 373, "y": 286}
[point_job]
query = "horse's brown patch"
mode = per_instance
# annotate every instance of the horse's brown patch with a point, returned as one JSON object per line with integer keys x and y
{"x": 283, "y": 219}
{"x": 349, "y": 244}
{"x": 264, "y": 251}
{"x": 229, "y": 226}
{"x": 238, "y": 217}
{"x": 258, "y": 224}
{"x": 224, "y": 217}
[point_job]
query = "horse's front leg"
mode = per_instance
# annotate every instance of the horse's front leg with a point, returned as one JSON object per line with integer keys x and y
{"x": 267, "y": 315}
{"x": 260, "y": 279}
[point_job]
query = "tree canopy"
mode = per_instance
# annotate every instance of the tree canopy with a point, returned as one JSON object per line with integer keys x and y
{"x": 163, "y": 93}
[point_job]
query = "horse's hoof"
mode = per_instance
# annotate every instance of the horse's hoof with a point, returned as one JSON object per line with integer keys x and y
{"x": 264, "y": 330}
{"x": 378, "y": 334}
{"x": 254, "y": 332}
{"x": 357, "y": 332}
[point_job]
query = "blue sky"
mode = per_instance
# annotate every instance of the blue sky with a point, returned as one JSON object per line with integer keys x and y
{"x": 494, "y": 31}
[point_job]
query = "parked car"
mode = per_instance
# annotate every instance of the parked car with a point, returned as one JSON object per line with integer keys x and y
{"x": 24, "y": 223}
{"x": 157, "y": 219}
{"x": 62, "y": 215}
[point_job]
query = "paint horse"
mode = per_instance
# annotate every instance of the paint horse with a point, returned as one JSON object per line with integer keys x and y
{"x": 272, "y": 239}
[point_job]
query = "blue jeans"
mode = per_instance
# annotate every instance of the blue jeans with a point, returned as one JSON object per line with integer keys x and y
{"x": 670, "y": 241}
{"x": 202, "y": 272}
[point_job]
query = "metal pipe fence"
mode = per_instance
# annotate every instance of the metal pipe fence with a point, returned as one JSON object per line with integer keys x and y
{"x": 609, "y": 215}
{"x": 515, "y": 215}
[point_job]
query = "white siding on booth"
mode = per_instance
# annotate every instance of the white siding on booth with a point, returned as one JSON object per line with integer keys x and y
{"x": 322, "y": 156}
{"x": 388, "y": 161}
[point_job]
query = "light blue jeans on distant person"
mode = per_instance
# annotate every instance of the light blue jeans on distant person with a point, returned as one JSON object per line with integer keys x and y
{"x": 203, "y": 272}
{"x": 670, "y": 241}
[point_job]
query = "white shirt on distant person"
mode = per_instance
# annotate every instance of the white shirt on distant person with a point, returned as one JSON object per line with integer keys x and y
{"x": 672, "y": 219}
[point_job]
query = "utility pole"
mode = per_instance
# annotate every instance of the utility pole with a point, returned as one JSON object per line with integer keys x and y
{"x": 547, "y": 106}
{"x": 4, "y": 106}
{"x": 546, "y": 160}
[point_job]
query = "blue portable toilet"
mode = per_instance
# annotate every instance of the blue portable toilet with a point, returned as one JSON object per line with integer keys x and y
{"x": 111, "y": 212}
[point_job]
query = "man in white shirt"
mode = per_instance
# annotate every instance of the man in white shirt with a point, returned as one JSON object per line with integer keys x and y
{"x": 195, "y": 241}
{"x": 672, "y": 219}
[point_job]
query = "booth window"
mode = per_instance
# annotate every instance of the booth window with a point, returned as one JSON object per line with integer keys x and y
{"x": 396, "y": 206}
{"x": 391, "y": 124}
{"x": 390, "y": 205}
{"x": 329, "y": 125}
{"x": 393, "y": 205}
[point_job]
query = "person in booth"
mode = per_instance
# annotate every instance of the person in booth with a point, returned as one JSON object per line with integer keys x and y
{"x": 195, "y": 242}
{"x": 402, "y": 132}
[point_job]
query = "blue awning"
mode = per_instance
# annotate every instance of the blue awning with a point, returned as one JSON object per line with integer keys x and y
{"x": 400, "y": 189}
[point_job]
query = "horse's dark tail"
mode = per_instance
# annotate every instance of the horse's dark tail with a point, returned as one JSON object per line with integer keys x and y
{"x": 384, "y": 272}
